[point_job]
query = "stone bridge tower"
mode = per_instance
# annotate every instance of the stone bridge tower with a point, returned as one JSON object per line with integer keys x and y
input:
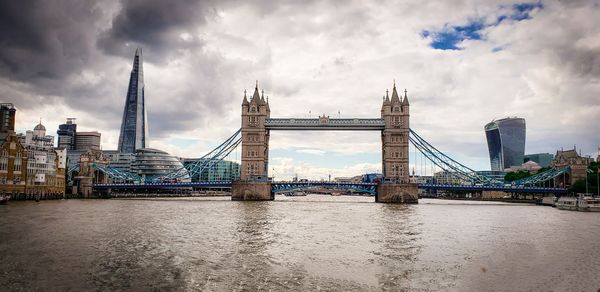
{"x": 396, "y": 186}
{"x": 254, "y": 183}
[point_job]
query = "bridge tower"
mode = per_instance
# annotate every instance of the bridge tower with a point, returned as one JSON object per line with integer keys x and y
{"x": 254, "y": 183}
{"x": 395, "y": 186}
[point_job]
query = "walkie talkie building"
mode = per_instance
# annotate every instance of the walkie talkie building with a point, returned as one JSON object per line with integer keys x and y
{"x": 134, "y": 127}
{"x": 506, "y": 142}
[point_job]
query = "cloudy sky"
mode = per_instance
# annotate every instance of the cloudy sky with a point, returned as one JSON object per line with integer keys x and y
{"x": 463, "y": 63}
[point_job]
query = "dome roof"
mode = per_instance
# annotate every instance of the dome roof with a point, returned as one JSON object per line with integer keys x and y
{"x": 39, "y": 127}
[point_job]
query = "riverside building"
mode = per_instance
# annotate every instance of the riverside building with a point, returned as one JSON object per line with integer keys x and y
{"x": 7, "y": 120}
{"x": 30, "y": 166}
{"x": 222, "y": 170}
{"x": 154, "y": 164}
{"x": 506, "y": 142}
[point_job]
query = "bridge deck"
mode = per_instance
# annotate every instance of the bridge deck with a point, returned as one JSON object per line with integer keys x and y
{"x": 280, "y": 186}
{"x": 330, "y": 124}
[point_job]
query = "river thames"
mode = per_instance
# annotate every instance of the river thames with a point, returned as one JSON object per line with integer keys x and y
{"x": 296, "y": 243}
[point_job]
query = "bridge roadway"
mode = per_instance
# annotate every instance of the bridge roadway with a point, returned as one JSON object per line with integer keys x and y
{"x": 325, "y": 123}
{"x": 280, "y": 186}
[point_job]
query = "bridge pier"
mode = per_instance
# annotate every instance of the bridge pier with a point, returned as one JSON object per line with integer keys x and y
{"x": 251, "y": 191}
{"x": 403, "y": 193}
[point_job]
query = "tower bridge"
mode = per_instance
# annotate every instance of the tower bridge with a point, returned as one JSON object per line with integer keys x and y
{"x": 395, "y": 187}
{"x": 393, "y": 124}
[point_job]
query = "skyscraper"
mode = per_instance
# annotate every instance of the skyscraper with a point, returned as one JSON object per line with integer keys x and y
{"x": 134, "y": 127}
{"x": 7, "y": 120}
{"x": 66, "y": 134}
{"x": 87, "y": 140}
{"x": 506, "y": 142}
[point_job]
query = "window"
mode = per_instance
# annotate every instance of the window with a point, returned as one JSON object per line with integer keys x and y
{"x": 18, "y": 162}
{"x": 396, "y": 138}
{"x": 252, "y": 137}
{"x": 4, "y": 161}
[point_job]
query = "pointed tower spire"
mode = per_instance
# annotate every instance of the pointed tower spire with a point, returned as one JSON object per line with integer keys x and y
{"x": 262, "y": 97}
{"x": 245, "y": 101}
{"x": 268, "y": 108}
{"x": 405, "y": 100}
{"x": 387, "y": 96}
{"x": 255, "y": 97}
{"x": 134, "y": 126}
{"x": 395, "y": 97}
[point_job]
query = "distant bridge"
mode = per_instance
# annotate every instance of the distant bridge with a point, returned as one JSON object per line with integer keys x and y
{"x": 370, "y": 188}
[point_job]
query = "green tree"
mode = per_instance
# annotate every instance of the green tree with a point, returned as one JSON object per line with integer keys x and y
{"x": 516, "y": 175}
{"x": 546, "y": 168}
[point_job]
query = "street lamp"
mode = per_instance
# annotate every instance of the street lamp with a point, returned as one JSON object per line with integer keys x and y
{"x": 598, "y": 181}
{"x": 587, "y": 163}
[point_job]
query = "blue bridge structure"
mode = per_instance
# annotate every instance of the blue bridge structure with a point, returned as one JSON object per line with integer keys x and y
{"x": 473, "y": 182}
{"x": 364, "y": 188}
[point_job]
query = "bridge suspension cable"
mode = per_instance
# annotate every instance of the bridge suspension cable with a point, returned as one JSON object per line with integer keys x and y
{"x": 207, "y": 161}
{"x": 542, "y": 176}
{"x": 446, "y": 163}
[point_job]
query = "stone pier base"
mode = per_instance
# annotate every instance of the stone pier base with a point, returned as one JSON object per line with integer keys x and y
{"x": 251, "y": 191}
{"x": 397, "y": 193}
{"x": 493, "y": 194}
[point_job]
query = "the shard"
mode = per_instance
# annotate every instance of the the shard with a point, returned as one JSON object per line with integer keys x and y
{"x": 134, "y": 127}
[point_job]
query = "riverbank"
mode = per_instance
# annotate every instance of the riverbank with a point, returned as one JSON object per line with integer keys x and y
{"x": 508, "y": 200}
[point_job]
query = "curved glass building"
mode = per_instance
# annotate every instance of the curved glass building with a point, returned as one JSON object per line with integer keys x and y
{"x": 156, "y": 164}
{"x": 506, "y": 142}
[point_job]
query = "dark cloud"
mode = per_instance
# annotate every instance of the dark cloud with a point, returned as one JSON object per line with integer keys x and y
{"x": 157, "y": 26}
{"x": 45, "y": 40}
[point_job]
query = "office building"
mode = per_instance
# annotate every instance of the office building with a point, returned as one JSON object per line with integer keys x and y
{"x": 66, "y": 134}
{"x": 493, "y": 174}
{"x": 118, "y": 160}
{"x": 219, "y": 171}
{"x": 542, "y": 159}
{"x": 134, "y": 127}
{"x": 506, "y": 142}
{"x": 447, "y": 178}
{"x": 151, "y": 164}
{"x": 7, "y": 120}
{"x": 87, "y": 141}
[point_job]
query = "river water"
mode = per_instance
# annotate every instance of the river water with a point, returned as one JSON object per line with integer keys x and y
{"x": 296, "y": 243}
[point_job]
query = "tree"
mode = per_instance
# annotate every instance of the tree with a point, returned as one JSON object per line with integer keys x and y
{"x": 516, "y": 175}
{"x": 546, "y": 168}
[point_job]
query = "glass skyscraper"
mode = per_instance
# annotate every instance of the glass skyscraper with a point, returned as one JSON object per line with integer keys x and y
{"x": 506, "y": 142}
{"x": 66, "y": 134}
{"x": 134, "y": 127}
